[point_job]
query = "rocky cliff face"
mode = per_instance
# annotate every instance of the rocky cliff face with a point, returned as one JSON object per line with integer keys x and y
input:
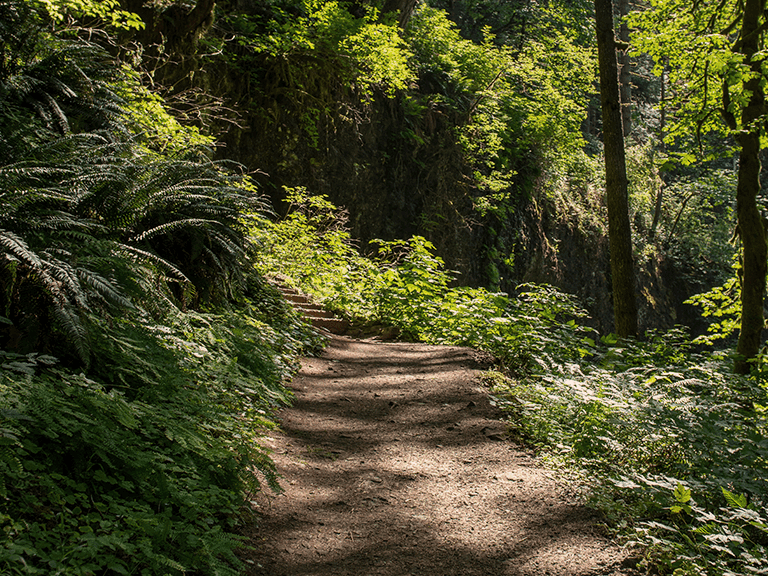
{"x": 401, "y": 172}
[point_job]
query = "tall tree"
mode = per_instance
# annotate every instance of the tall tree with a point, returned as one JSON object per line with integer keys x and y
{"x": 619, "y": 231}
{"x": 715, "y": 50}
{"x": 751, "y": 228}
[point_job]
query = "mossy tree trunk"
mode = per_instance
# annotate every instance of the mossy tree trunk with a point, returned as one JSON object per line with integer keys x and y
{"x": 619, "y": 231}
{"x": 750, "y": 221}
{"x": 625, "y": 70}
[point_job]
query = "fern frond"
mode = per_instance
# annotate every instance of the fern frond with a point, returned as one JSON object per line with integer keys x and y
{"x": 15, "y": 246}
{"x": 55, "y": 112}
{"x": 61, "y": 280}
{"x": 145, "y": 256}
{"x": 736, "y": 501}
{"x": 69, "y": 321}
{"x": 176, "y": 225}
{"x": 104, "y": 288}
{"x": 213, "y": 257}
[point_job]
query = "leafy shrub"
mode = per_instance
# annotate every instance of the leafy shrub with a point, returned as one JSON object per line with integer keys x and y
{"x": 691, "y": 539}
{"x": 143, "y": 464}
{"x": 641, "y": 418}
{"x": 407, "y": 286}
{"x": 130, "y": 420}
{"x": 92, "y": 221}
{"x": 312, "y": 250}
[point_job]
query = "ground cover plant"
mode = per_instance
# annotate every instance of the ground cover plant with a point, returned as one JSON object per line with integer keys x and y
{"x": 672, "y": 445}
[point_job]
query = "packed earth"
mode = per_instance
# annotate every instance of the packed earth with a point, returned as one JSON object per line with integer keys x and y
{"x": 395, "y": 462}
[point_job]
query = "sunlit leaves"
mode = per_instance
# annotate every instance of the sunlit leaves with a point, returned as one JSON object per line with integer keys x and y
{"x": 657, "y": 428}
{"x": 698, "y": 46}
{"x": 108, "y": 11}
{"x": 382, "y": 55}
{"x": 365, "y": 52}
{"x": 150, "y": 121}
{"x": 723, "y": 304}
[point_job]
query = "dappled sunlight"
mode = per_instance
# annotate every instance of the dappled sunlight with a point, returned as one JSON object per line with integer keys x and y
{"x": 394, "y": 462}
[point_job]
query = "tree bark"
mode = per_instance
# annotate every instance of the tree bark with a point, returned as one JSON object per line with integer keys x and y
{"x": 750, "y": 221}
{"x": 619, "y": 231}
{"x": 404, "y": 8}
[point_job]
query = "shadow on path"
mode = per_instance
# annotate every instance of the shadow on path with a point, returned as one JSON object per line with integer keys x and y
{"x": 394, "y": 463}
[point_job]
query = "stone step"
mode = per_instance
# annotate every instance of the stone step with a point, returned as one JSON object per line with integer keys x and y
{"x": 319, "y": 312}
{"x": 296, "y": 298}
{"x": 333, "y": 325}
{"x": 315, "y": 314}
{"x": 306, "y": 305}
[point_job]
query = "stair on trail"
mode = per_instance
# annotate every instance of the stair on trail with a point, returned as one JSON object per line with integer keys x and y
{"x": 315, "y": 314}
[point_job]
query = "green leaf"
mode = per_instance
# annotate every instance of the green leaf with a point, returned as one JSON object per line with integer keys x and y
{"x": 682, "y": 494}
{"x": 735, "y": 500}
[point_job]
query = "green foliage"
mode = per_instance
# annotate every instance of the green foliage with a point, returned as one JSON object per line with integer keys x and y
{"x": 364, "y": 52}
{"x": 97, "y": 209}
{"x": 694, "y": 540}
{"x": 107, "y": 11}
{"x": 151, "y": 123}
{"x": 643, "y": 418}
{"x": 312, "y": 250}
{"x": 413, "y": 286}
{"x": 50, "y": 85}
{"x": 510, "y": 101}
{"x": 409, "y": 288}
{"x": 129, "y": 429}
{"x": 698, "y": 223}
{"x": 143, "y": 463}
{"x": 699, "y": 46}
{"x": 525, "y": 333}
{"x": 722, "y": 303}
{"x": 497, "y": 112}
{"x": 383, "y": 58}
{"x": 638, "y": 418}
{"x": 95, "y": 222}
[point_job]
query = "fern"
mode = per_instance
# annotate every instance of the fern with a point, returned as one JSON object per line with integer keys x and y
{"x": 16, "y": 248}
{"x": 736, "y": 501}
{"x": 170, "y": 227}
{"x": 134, "y": 452}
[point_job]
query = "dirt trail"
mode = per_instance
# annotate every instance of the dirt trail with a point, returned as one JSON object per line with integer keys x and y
{"x": 394, "y": 463}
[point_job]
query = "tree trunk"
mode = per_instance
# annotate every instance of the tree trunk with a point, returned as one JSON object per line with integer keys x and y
{"x": 619, "y": 231}
{"x": 751, "y": 228}
{"x": 404, "y": 8}
{"x": 662, "y": 148}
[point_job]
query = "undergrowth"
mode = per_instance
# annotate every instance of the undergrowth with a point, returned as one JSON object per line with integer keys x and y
{"x": 672, "y": 446}
{"x": 142, "y": 465}
{"x": 141, "y": 356}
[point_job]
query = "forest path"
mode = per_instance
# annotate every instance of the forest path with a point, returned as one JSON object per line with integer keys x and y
{"x": 394, "y": 463}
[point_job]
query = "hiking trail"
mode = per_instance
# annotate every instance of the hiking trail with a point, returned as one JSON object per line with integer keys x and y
{"x": 395, "y": 463}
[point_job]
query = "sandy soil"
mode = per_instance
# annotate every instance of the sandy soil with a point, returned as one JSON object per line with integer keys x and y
{"x": 394, "y": 463}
